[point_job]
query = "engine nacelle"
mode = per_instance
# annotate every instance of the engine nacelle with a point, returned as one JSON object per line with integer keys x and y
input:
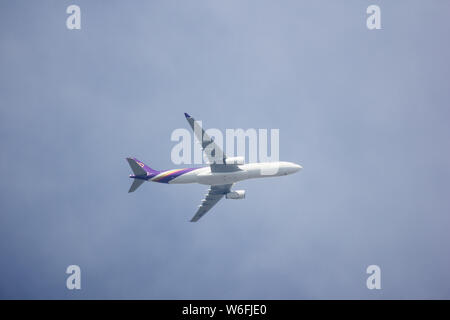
{"x": 235, "y": 160}
{"x": 238, "y": 194}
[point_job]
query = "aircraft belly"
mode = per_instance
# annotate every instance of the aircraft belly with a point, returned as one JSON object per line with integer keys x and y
{"x": 219, "y": 178}
{"x": 190, "y": 177}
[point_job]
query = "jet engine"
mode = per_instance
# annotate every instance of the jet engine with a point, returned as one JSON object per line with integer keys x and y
{"x": 235, "y": 160}
{"x": 238, "y": 194}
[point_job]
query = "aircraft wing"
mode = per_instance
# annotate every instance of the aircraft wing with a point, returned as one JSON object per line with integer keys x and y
{"x": 215, "y": 193}
{"x": 213, "y": 152}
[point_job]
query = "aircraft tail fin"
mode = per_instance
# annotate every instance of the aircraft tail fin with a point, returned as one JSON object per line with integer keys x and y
{"x": 141, "y": 172}
{"x": 137, "y": 169}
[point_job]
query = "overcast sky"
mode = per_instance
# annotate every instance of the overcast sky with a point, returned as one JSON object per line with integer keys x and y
{"x": 366, "y": 113}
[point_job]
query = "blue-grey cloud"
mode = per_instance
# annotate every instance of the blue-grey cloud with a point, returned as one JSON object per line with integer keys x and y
{"x": 365, "y": 112}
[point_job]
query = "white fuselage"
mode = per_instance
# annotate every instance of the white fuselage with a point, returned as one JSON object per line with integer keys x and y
{"x": 247, "y": 171}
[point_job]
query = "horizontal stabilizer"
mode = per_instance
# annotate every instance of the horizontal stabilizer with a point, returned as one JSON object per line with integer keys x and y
{"x": 136, "y": 184}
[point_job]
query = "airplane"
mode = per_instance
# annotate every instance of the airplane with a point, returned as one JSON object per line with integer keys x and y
{"x": 221, "y": 173}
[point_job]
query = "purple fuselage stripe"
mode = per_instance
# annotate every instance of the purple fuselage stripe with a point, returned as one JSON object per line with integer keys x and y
{"x": 174, "y": 175}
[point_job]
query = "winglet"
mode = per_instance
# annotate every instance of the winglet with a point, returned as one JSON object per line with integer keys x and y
{"x": 186, "y": 115}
